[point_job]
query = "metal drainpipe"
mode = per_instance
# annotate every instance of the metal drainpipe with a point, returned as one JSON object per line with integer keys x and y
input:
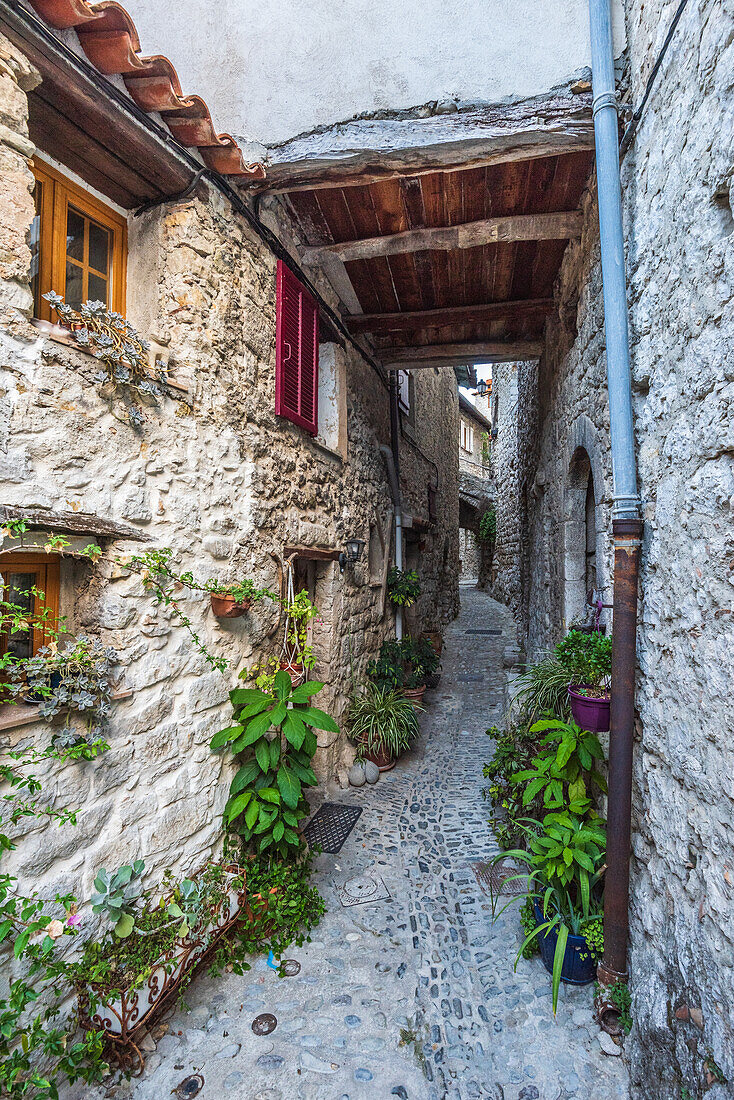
{"x": 626, "y": 516}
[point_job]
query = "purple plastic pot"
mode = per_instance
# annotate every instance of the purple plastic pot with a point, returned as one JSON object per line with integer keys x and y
{"x": 589, "y": 713}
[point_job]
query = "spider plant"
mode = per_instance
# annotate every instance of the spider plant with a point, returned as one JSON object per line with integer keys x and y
{"x": 542, "y": 688}
{"x": 382, "y": 720}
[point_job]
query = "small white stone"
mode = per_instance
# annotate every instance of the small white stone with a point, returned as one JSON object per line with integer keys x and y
{"x": 371, "y": 771}
{"x": 608, "y": 1045}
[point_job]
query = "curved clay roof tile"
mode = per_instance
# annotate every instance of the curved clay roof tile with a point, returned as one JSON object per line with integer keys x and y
{"x": 110, "y": 40}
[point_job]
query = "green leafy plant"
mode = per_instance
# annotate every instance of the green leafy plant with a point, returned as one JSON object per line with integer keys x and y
{"x": 274, "y": 740}
{"x": 117, "y": 896}
{"x": 587, "y": 659}
{"x": 565, "y": 860}
{"x": 562, "y": 774}
{"x": 514, "y": 750}
{"x": 488, "y": 525}
{"x": 163, "y": 580}
{"x": 620, "y": 997}
{"x": 387, "y": 670}
{"x": 36, "y": 1053}
{"x": 529, "y": 924}
{"x": 381, "y": 720}
{"x": 404, "y": 663}
{"x": 404, "y": 586}
{"x": 299, "y": 613}
{"x": 542, "y": 689}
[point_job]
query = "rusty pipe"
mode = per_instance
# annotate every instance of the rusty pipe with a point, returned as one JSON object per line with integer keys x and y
{"x": 627, "y": 541}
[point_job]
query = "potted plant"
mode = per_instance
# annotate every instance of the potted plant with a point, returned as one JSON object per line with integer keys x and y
{"x": 387, "y": 670}
{"x": 565, "y": 861}
{"x": 404, "y": 586}
{"x": 422, "y": 661}
{"x": 297, "y": 656}
{"x": 230, "y": 601}
{"x": 587, "y": 659}
{"x": 382, "y": 723}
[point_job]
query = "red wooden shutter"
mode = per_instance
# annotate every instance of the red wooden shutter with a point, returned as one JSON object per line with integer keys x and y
{"x": 297, "y": 352}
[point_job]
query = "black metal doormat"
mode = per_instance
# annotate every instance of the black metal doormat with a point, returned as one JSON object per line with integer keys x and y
{"x": 331, "y": 826}
{"x": 492, "y": 877}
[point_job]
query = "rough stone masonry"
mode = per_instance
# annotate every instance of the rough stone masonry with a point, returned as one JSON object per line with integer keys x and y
{"x": 677, "y": 185}
{"x": 214, "y": 475}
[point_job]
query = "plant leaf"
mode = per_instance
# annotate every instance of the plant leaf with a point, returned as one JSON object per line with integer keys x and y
{"x": 252, "y": 814}
{"x": 289, "y": 786}
{"x": 312, "y": 716}
{"x": 278, "y": 713}
{"x": 274, "y": 752}
{"x": 239, "y": 803}
{"x": 262, "y": 754}
{"x": 303, "y": 692}
{"x": 282, "y": 685}
{"x": 124, "y": 926}
{"x": 278, "y": 830}
{"x": 246, "y": 775}
{"x": 269, "y": 794}
{"x": 242, "y": 697}
{"x": 558, "y": 962}
{"x": 225, "y": 735}
{"x": 294, "y": 729}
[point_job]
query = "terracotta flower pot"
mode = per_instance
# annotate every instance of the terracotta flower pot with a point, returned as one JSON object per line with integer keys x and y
{"x": 226, "y": 607}
{"x": 380, "y": 757}
{"x": 589, "y": 712}
{"x": 415, "y": 695}
{"x": 294, "y": 670}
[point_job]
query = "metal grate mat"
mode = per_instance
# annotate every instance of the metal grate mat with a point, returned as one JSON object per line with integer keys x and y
{"x": 330, "y": 826}
{"x": 492, "y": 878}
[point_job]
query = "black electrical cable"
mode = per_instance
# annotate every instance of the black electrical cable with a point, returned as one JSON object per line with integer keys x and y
{"x": 37, "y": 26}
{"x": 631, "y": 129}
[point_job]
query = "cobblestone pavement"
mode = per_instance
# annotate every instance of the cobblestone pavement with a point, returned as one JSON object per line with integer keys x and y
{"x": 413, "y": 996}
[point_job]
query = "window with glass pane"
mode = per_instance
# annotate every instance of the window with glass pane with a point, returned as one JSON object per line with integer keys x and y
{"x": 31, "y": 584}
{"x": 78, "y": 245}
{"x": 88, "y": 249}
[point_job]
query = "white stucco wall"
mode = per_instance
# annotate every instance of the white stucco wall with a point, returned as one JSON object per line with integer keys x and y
{"x": 270, "y": 71}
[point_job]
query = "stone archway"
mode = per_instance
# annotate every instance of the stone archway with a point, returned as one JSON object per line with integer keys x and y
{"x": 583, "y": 533}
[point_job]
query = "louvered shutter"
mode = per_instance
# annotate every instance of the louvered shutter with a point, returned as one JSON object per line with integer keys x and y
{"x": 297, "y": 352}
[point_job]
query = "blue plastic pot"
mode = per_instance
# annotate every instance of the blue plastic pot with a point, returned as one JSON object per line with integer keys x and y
{"x": 576, "y": 970}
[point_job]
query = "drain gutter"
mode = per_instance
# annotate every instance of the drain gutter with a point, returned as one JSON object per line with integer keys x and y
{"x": 626, "y": 516}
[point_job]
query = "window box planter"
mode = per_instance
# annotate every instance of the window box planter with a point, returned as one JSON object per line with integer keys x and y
{"x": 590, "y": 712}
{"x": 579, "y": 967}
{"x": 123, "y": 1014}
{"x": 226, "y": 607}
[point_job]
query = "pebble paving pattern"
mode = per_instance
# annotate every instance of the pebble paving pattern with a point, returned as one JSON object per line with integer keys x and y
{"x": 413, "y": 997}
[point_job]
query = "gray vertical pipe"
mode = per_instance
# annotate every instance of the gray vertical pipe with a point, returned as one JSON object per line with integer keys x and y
{"x": 606, "y": 131}
{"x": 626, "y": 521}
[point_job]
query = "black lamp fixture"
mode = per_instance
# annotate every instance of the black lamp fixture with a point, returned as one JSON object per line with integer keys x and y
{"x": 352, "y": 553}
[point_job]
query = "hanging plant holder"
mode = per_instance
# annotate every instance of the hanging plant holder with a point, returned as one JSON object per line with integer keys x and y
{"x": 291, "y": 652}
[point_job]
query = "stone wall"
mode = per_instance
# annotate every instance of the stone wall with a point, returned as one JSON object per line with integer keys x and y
{"x": 214, "y": 475}
{"x": 677, "y": 180}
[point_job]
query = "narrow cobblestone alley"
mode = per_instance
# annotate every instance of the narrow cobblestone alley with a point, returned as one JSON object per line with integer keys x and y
{"x": 412, "y": 996}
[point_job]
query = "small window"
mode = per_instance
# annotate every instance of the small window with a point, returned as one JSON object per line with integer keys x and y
{"x": 78, "y": 245}
{"x": 24, "y": 578}
{"x": 466, "y": 438}
{"x": 297, "y": 352}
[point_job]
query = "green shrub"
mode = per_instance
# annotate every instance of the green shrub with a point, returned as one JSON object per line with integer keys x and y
{"x": 382, "y": 720}
{"x": 587, "y": 658}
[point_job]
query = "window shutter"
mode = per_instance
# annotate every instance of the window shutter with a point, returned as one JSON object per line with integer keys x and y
{"x": 297, "y": 352}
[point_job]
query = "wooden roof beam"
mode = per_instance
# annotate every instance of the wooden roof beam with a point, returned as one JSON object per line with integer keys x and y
{"x": 517, "y": 227}
{"x": 452, "y": 315}
{"x": 449, "y": 355}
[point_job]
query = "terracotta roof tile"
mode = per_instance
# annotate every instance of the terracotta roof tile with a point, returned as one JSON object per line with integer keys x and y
{"x": 110, "y": 40}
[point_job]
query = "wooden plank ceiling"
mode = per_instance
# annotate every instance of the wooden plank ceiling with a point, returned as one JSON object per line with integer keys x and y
{"x": 511, "y": 279}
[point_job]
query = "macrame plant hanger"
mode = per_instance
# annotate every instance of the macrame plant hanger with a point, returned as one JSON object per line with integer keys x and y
{"x": 291, "y": 654}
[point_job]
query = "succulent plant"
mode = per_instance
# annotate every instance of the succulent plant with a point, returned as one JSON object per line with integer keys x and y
{"x": 117, "y": 896}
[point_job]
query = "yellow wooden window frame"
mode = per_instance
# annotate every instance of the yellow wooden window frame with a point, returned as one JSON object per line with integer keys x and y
{"x": 47, "y": 580}
{"x": 57, "y": 194}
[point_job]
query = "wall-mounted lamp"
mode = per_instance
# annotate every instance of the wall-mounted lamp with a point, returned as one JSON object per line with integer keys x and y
{"x": 351, "y": 554}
